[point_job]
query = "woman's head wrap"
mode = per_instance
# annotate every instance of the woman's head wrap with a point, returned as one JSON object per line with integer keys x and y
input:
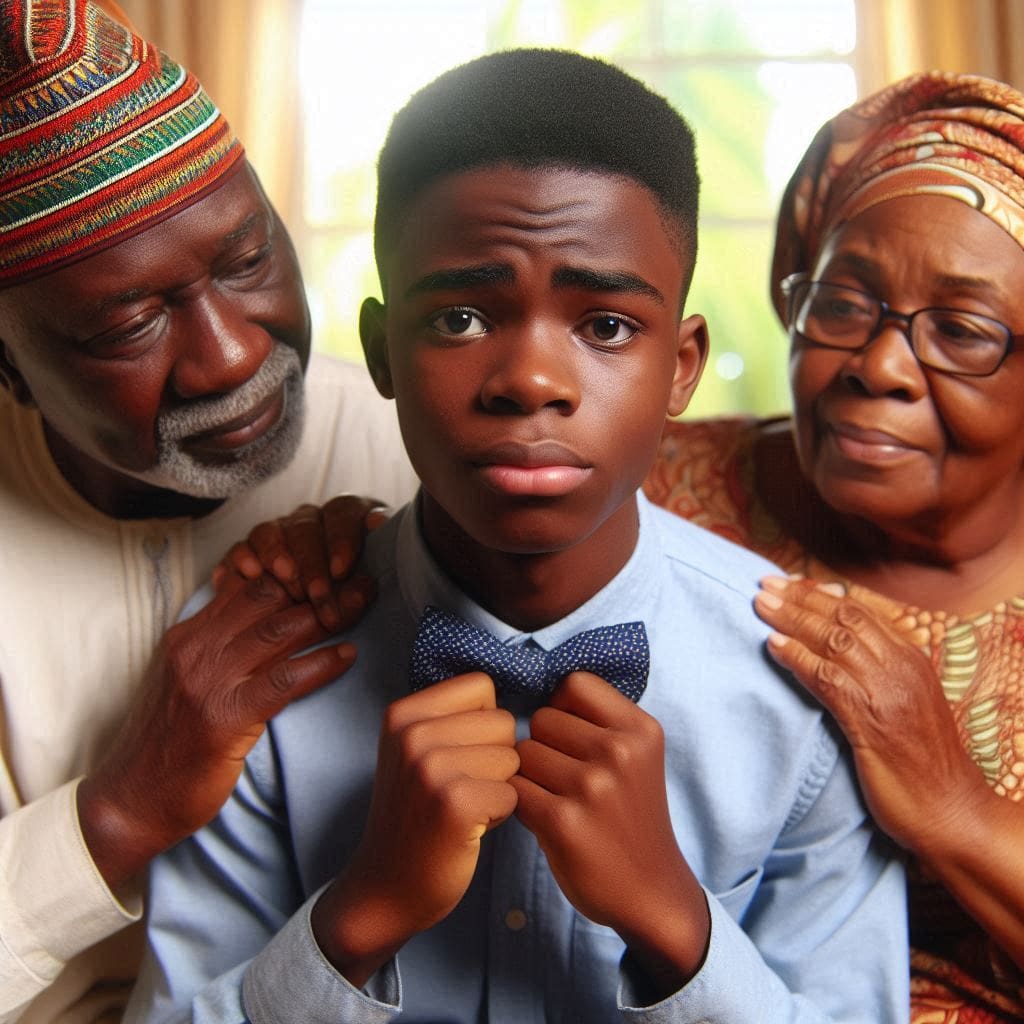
{"x": 101, "y": 135}
{"x": 934, "y": 133}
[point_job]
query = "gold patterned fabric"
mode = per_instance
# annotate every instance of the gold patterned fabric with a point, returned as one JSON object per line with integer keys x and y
{"x": 705, "y": 472}
{"x": 935, "y": 133}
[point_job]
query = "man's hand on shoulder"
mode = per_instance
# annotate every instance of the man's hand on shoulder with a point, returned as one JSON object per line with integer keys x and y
{"x": 311, "y": 552}
{"x": 212, "y": 684}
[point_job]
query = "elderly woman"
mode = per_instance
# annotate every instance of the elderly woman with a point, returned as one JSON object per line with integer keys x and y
{"x": 899, "y": 273}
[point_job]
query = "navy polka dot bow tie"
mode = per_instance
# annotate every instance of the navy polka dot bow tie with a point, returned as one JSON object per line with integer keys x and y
{"x": 447, "y": 646}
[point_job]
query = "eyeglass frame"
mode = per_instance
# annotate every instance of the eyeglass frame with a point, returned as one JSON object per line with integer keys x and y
{"x": 789, "y": 284}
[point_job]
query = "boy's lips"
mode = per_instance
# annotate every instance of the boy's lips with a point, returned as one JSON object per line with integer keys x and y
{"x": 544, "y": 469}
{"x": 239, "y": 431}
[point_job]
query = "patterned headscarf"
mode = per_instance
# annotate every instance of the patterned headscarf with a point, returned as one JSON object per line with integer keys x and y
{"x": 101, "y": 135}
{"x": 934, "y": 133}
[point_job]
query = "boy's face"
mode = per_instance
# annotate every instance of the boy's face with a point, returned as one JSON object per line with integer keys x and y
{"x": 532, "y": 341}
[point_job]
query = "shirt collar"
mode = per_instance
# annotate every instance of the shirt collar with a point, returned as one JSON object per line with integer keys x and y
{"x": 627, "y": 597}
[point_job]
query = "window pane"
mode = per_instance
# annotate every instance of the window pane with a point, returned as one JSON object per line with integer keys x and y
{"x": 770, "y": 27}
{"x": 343, "y": 274}
{"x": 746, "y": 368}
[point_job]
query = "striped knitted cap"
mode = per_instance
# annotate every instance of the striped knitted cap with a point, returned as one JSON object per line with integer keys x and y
{"x": 101, "y": 135}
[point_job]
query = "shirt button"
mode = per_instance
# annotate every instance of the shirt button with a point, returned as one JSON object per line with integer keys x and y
{"x": 515, "y": 919}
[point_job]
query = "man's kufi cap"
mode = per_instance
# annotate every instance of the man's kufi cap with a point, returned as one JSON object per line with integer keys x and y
{"x": 935, "y": 133}
{"x": 101, "y": 135}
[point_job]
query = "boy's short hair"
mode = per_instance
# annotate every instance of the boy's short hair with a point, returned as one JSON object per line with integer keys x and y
{"x": 538, "y": 108}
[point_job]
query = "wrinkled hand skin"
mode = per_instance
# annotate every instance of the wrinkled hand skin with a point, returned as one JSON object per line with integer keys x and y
{"x": 311, "y": 552}
{"x": 918, "y": 780}
{"x": 213, "y": 682}
{"x": 445, "y": 758}
{"x": 591, "y": 787}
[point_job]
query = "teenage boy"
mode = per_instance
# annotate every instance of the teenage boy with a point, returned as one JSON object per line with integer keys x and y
{"x": 583, "y": 817}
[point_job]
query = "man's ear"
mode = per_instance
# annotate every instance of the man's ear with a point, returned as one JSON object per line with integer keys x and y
{"x": 11, "y": 378}
{"x": 691, "y": 355}
{"x": 373, "y": 335}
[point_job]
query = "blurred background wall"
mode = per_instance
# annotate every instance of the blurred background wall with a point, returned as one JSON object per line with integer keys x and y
{"x": 310, "y": 86}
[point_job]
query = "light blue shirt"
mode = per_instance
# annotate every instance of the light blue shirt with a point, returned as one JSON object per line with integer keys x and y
{"x": 806, "y": 899}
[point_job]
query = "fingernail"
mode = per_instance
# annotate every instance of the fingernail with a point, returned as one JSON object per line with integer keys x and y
{"x": 775, "y": 583}
{"x": 318, "y": 589}
{"x": 836, "y": 589}
{"x": 777, "y": 640}
{"x": 351, "y": 602}
{"x": 284, "y": 568}
{"x": 375, "y": 518}
{"x": 768, "y": 600}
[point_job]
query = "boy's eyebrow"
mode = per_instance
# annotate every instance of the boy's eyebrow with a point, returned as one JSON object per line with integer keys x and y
{"x": 462, "y": 277}
{"x": 564, "y": 277}
{"x": 605, "y": 281}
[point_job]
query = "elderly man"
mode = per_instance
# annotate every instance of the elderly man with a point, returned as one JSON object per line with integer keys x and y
{"x": 153, "y": 339}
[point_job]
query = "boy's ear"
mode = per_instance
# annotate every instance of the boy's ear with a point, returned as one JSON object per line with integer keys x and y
{"x": 691, "y": 355}
{"x": 372, "y": 334}
{"x": 11, "y": 378}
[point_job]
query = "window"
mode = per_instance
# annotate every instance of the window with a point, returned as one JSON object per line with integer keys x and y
{"x": 755, "y": 79}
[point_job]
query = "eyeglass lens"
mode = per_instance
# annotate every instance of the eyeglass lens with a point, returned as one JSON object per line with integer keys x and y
{"x": 946, "y": 339}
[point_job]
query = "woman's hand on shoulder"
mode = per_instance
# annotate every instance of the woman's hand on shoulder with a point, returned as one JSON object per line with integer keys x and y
{"x": 918, "y": 779}
{"x": 311, "y": 552}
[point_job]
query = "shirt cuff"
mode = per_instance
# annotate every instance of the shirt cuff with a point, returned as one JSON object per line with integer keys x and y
{"x": 54, "y": 899}
{"x": 727, "y": 987}
{"x": 293, "y": 980}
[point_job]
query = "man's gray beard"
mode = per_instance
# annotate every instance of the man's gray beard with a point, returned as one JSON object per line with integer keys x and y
{"x": 179, "y": 471}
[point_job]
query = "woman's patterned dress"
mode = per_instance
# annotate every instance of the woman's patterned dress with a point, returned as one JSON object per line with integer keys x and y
{"x": 705, "y": 473}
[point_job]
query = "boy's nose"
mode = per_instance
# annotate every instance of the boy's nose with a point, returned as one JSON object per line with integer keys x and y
{"x": 532, "y": 371}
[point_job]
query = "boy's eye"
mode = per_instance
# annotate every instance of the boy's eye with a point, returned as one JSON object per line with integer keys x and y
{"x": 459, "y": 322}
{"x": 608, "y": 330}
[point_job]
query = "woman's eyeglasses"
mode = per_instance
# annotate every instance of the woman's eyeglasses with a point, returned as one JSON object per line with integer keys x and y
{"x": 951, "y": 340}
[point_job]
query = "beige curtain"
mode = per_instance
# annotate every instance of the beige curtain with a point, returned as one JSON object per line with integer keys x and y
{"x": 899, "y": 37}
{"x": 245, "y": 52}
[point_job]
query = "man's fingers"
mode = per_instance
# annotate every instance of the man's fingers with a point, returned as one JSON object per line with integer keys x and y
{"x": 270, "y": 637}
{"x": 345, "y": 525}
{"x": 269, "y": 546}
{"x": 351, "y": 599}
{"x": 270, "y": 690}
{"x": 303, "y": 536}
{"x": 239, "y": 560}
